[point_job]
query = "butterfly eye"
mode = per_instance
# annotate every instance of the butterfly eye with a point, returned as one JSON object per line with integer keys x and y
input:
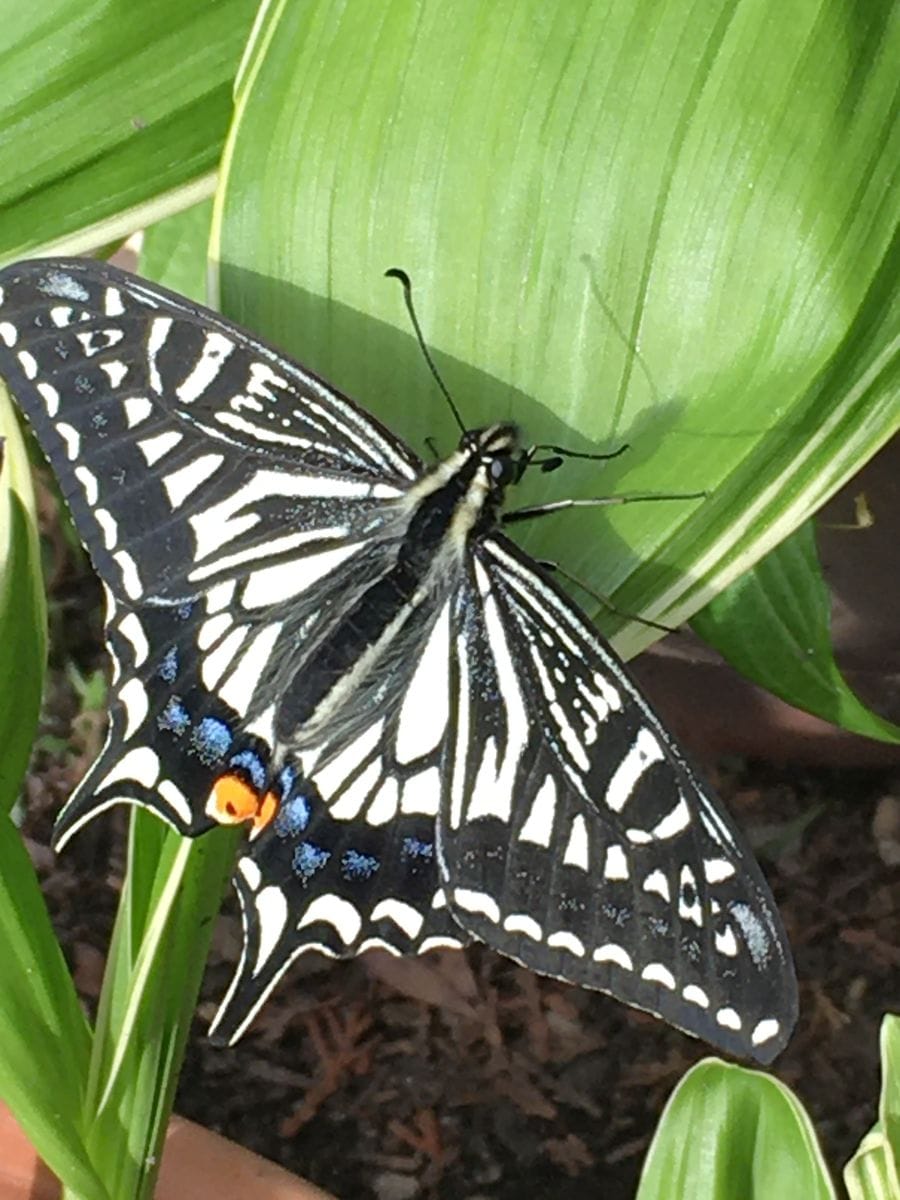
{"x": 502, "y": 470}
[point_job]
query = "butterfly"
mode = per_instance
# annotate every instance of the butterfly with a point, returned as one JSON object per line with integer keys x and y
{"x": 315, "y": 633}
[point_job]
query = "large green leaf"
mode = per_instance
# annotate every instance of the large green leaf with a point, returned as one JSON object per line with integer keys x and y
{"x": 728, "y": 1132}
{"x": 712, "y": 184}
{"x": 774, "y": 625}
{"x": 109, "y": 123}
{"x": 173, "y": 252}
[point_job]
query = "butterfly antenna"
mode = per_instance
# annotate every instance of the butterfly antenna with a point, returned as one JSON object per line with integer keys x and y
{"x": 398, "y": 273}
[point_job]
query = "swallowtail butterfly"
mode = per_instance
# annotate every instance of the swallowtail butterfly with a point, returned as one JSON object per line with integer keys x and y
{"x": 314, "y": 632}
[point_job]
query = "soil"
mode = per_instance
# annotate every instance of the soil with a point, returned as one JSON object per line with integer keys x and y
{"x": 462, "y": 1075}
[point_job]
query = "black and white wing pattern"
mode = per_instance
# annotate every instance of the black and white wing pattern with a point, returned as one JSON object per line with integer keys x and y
{"x": 223, "y": 495}
{"x": 315, "y": 634}
{"x": 314, "y": 880}
{"x": 574, "y": 837}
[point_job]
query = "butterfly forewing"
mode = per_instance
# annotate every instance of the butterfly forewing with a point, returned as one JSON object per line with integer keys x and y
{"x": 313, "y": 632}
{"x": 216, "y": 486}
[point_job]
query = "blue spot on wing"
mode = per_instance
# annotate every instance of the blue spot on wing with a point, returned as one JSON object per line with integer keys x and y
{"x": 174, "y": 718}
{"x": 358, "y": 866}
{"x": 292, "y": 817}
{"x": 253, "y": 765}
{"x": 212, "y": 740}
{"x": 308, "y": 859}
{"x": 416, "y": 849}
{"x": 168, "y": 668}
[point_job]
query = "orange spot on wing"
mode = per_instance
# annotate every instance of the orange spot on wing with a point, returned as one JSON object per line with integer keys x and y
{"x": 233, "y": 801}
{"x": 268, "y": 807}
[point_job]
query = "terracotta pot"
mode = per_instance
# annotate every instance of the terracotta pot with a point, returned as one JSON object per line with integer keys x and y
{"x": 195, "y": 1162}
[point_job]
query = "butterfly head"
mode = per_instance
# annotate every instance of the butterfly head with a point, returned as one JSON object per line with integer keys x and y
{"x": 497, "y": 450}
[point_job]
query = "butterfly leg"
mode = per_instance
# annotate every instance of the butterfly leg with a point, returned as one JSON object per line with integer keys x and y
{"x": 542, "y": 510}
{"x": 602, "y": 598}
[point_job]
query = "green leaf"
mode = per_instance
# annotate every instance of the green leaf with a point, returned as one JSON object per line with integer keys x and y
{"x": 44, "y": 1038}
{"x": 109, "y": 122}
{"x": 874, "y": 1171}
{"x": 23, "y": 610}
{"x": 172, "y": 892}
{"x": 728, "y": 1132}
{"x": 714, "y": 185}
{"x": 774, "y": 625}
{"x": 174, "y": 251}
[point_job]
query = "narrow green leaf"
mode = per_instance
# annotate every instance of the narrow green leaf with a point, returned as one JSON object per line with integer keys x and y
{"x": 728, "y": 1132}
{"x": 873, "y": 1173}
{"x": 44, "y": 1039}
{"x": 774, "y": 625}
{"x": 111, "y": 117}
{"x": 23, "y": 612}
{"x": 889, "y": 1105}
{"x": 172, "y": 891}
{"x": 156, "y": 962}
{"x": 713, "y": 185}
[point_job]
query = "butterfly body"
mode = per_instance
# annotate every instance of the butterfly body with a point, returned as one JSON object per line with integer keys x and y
{"x": 314, "y": 632}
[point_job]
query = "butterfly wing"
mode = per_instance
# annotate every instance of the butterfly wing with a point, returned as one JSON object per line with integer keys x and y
{"x": 574, "y": 837}
{"x": 349, "y": 861}
{"x": 222, "y": 493}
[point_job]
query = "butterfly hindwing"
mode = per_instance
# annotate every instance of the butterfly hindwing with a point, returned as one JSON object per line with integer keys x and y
{"x": 349, "y": 861}
{"x": 313, "y": 882}
{"x": 575, "y": 838}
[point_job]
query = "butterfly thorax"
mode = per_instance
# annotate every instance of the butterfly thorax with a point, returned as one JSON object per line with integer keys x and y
{"x": 454, "y": 501}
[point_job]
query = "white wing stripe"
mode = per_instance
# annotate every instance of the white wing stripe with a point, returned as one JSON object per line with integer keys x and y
{"x": 188, "y": 480}
{"x": 216, "y": 349}
{"x": 272, "y": 915}
{"x": 642, "y": 754}
{"x": 331, "y": 777}
{"x": 538, "y": 827}
{"x": 425, "y": 709}
{"x": 156, "y": 339}
{"x": 495, "y": 791}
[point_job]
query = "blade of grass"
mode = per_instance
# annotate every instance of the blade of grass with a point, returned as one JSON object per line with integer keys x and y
{"x": 23, "y": 609}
